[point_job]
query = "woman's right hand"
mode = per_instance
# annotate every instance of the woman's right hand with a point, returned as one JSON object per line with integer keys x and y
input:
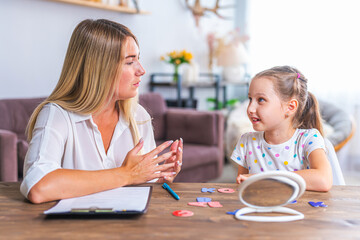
{"x": 143, "y": 168}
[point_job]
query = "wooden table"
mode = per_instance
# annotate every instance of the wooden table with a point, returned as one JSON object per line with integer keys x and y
{"x": 20, "y": 219}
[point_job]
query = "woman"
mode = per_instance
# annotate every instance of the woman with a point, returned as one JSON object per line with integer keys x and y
{"x": 90, "y": 134}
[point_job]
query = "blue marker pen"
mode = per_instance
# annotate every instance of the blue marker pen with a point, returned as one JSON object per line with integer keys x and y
{"x": 167, "y": 188}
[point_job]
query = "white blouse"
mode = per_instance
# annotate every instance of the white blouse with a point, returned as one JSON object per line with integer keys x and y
{"x": 64, "y": 139}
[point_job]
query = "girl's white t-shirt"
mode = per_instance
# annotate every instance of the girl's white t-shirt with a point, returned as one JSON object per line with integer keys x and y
{"x": 64, "y": 139}
{"x": 255, "y": 154}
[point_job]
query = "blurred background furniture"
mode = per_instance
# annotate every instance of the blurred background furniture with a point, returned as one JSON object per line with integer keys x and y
{"x": 205, "y": 80}
{"x": 14, "y": 116}
{"x": 338, "y": 178}
{"x": 339, "y": 126}
{"x": 202, "y": 133}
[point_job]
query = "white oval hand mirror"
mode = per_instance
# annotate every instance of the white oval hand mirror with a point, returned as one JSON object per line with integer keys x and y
{"x": 268, "y": 192}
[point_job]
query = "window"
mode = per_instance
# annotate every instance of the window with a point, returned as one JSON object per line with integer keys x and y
{"x": 321, "y": 38}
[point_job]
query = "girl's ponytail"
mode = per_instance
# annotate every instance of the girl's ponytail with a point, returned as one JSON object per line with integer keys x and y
{"x": 310, "y": 115}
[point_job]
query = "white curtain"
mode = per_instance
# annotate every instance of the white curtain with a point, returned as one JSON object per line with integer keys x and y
{"x": 322, "y": 39}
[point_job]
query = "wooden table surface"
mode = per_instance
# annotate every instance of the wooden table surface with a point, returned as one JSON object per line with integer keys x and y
{"x": 19, "y": 219}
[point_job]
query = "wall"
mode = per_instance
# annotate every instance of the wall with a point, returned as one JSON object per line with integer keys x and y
{"x": 35, "y": 35}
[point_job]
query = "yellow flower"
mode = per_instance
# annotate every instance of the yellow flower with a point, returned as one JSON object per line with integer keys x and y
{"x": 188, "y": 56}
{"x": 177, "y": 57}
{"x": 173, "y": 54}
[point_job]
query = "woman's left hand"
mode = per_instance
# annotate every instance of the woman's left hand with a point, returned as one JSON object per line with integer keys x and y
{"x": 178, "y": 147}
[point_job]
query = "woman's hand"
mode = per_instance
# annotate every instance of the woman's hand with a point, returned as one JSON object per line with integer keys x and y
{"x": 143, "y": 168}
{"x": 177, "y": 147}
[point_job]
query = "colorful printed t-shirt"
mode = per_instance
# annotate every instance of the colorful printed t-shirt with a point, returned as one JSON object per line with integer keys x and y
{"x": 254, "y": 153}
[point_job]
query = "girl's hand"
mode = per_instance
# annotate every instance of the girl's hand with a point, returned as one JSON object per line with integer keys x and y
{"x": 177, "y": 147}
{"x": 143, "y": 168}
{"x": 243, "y": 174}
{"x": 242, "y": 177}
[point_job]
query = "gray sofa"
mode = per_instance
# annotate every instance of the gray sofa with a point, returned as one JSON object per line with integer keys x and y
{"x": 202, "y": 133}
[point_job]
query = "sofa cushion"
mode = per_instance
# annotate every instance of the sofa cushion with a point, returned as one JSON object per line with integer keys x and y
{"x": 192, "y": 126}
{"x": 22, "y": 147}
{"x": 200, "y": 163}
{"x": 156, "y": 107}
{"x": 16, "y": 114}
{"x": 8, "y": 156}
{"x": 196, "y": 155}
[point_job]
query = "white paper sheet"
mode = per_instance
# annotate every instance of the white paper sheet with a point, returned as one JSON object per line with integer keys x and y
{"x": 119, "y": 199}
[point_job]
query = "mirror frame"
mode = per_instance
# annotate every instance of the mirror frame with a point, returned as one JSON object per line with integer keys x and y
{"x": 290, "y": 178}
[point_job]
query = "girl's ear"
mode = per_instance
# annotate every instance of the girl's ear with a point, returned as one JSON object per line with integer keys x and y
{"x": 292, "y": 106}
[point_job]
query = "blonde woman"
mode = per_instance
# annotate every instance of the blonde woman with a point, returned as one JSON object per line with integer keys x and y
{"x": 90, "y": 134}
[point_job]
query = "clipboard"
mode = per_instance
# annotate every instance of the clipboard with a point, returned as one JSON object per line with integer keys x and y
{"x": 124, "y": 201}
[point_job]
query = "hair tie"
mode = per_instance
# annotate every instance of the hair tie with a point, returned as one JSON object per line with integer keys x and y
{"x": 298, "y": 75}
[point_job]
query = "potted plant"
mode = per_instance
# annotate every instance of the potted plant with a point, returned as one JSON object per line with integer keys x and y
{"x": 177, "y": 58}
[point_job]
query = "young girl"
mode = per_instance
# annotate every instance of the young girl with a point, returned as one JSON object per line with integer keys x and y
{"x": 288, "y": 128}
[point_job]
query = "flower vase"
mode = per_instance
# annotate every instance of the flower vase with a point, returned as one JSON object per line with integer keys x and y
{"x": 176, "y": 73}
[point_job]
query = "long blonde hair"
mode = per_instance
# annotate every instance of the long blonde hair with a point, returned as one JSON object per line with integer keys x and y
{"x": 88, "y": 76}
{"x": 290, "y": 82}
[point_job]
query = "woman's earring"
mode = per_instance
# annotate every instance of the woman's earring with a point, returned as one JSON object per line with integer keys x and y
{"x": 286, "y": 115}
